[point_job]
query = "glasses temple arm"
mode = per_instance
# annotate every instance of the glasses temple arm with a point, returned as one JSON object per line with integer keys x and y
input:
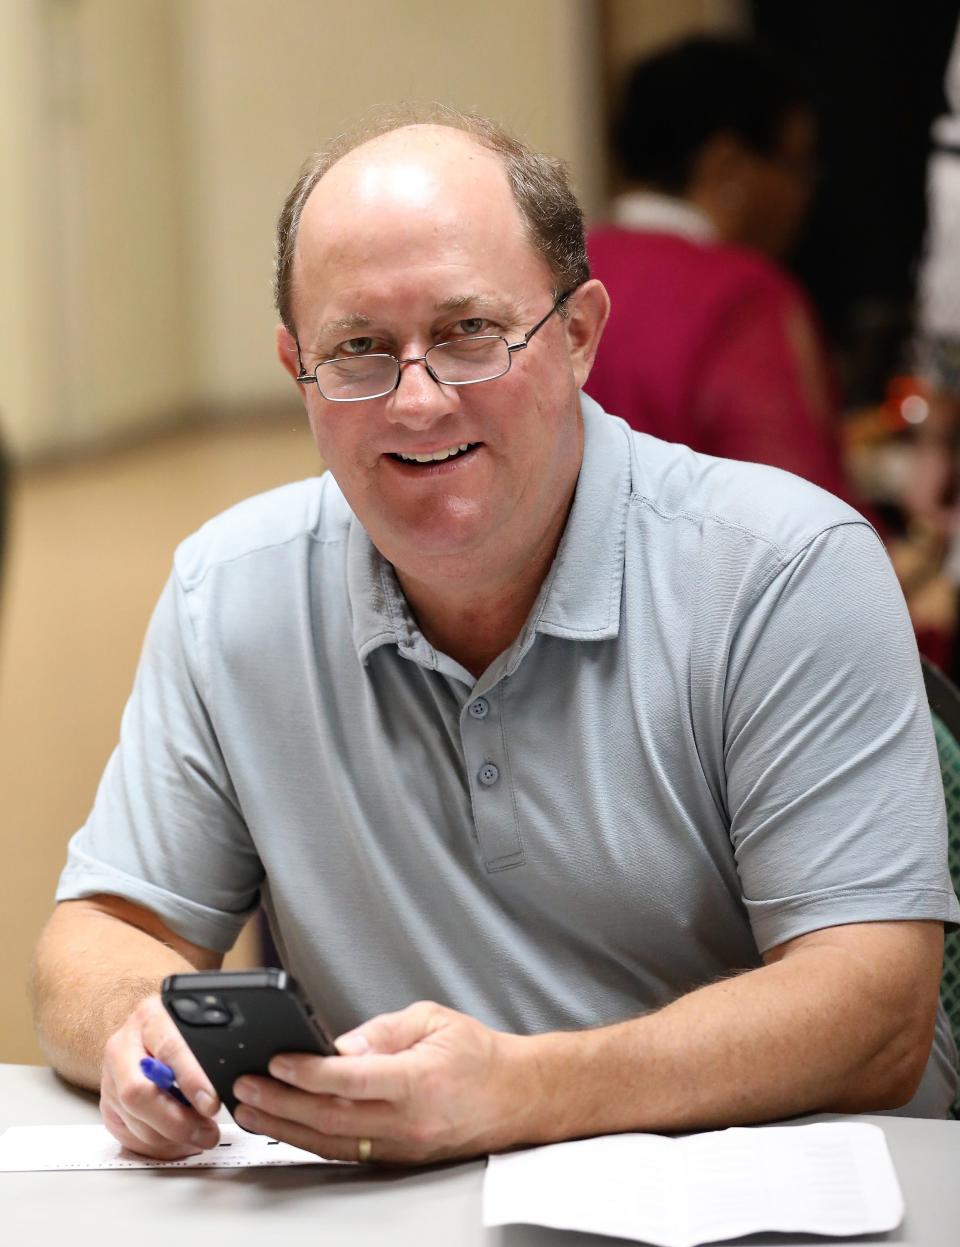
{"x": 302, "y": 378}
{"x": 561, "y": 299}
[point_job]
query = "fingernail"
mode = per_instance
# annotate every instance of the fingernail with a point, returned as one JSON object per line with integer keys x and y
{"x": 243, "y": 1089}
{"x": 204, "y": 1137}
{"x": 353, "y": 1044}
{"x": 245, "y": 1117}
{"x": 205, "y": 1102}
{"x": 281, "y": 1069}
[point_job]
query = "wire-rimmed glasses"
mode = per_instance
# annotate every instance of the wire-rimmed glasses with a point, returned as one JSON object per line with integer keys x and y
{"x": 461, "y": 361}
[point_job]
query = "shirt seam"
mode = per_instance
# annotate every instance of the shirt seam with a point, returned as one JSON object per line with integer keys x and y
{"x": 203, "y": 682}
{"x": 785, "y": 554}
{"x": 190, "y": 583}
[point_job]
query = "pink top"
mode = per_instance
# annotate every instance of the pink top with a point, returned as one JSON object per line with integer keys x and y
{"x": 713, "y": 346}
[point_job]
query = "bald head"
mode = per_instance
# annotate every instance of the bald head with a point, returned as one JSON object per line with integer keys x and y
{"x": 409, "y": 164}
{"x": 404, "y": 162}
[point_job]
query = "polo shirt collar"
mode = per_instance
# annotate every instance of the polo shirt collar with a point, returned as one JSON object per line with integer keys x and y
{"x": 380, "y": 612}
{"x": 580, "y": 598}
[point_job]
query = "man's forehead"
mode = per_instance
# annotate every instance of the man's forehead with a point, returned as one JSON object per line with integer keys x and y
{"x": 415, "y": 168}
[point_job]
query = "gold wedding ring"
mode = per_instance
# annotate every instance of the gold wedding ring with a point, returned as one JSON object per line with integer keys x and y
{"x": 364, "y": 1150}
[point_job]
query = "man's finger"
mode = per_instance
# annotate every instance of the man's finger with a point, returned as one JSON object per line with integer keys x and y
{"x": 137, "y": 1137}
{"x": 377, "y": 1071}
{"x": 154, "y": 1114}
{"x": 331, "y": 1116}
{"x": 352, "y": 1077}
{"x": 331, "y": 1147}
{"x": 391, "y": 1032}
{"x": 175, "y": 1132}
{"x": 163, "y": 1041}
{"x": 140, "y": 1115}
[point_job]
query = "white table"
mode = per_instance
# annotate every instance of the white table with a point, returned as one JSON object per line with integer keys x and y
{"x": 346, "y": 1207}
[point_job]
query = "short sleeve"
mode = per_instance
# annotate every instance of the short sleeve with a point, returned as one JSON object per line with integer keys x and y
{"x": 166, "y": 830}
{"x": 834, "y": 794}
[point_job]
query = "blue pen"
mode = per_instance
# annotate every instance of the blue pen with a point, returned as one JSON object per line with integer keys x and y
{"x": 162, "y": 1076}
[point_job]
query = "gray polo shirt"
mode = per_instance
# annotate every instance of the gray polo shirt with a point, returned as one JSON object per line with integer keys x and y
{"x": 710, "y": 736}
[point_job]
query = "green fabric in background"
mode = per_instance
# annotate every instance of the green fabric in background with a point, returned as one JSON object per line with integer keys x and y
{"x": 948, "y": 747}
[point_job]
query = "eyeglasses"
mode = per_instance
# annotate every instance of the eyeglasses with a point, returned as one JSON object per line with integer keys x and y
{"x": 464, "y": 361}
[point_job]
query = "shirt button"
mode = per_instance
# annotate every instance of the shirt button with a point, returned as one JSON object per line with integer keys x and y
{"x": 488, "y": 774}
{"x": 479, "y": 709}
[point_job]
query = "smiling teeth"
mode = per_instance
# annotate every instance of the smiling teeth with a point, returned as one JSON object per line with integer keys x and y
{"x": 436, "y": 456}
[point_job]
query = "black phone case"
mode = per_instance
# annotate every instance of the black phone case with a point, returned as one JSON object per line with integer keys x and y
{"x": 268, "y": 1015}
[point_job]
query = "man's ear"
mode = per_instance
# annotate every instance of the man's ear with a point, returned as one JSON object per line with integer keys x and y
{"x": 287, "y": 351}
{"x": 589, "y": 308}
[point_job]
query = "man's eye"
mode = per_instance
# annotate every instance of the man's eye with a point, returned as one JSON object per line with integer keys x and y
{"x": 472, "y": 325}
{"x": 355, "y": 346}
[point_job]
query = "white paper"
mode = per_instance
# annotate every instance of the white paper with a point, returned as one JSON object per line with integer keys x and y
{"x": 833, "y": 1178}
{"x": 25, "y": 1148}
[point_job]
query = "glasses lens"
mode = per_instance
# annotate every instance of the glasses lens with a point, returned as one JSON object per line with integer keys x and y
{"x": 357, "y": 376}
{"x": 469, "y": 359}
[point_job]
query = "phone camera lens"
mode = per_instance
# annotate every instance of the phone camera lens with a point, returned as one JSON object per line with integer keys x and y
{"x": 186, "y": 1008}
{"x": 202, "y": 1011}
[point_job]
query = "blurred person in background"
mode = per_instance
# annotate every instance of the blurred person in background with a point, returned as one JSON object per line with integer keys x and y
{"x": 710, "y": 341}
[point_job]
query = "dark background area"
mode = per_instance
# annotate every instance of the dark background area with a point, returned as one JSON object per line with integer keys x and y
{"x": 876, "y": 69}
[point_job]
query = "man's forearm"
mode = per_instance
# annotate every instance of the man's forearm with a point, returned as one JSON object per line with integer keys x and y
{"x": 809, "y": 1033}
{"x": 90, "y": 971}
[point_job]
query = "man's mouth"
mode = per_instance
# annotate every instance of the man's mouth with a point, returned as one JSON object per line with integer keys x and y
{"x": 435, "y": 456}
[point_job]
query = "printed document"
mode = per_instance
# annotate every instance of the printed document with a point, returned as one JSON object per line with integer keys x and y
{"x": 832, "y": 1178}
{"x": 24, "y": 1148}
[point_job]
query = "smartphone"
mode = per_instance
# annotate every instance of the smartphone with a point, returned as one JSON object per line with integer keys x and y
{"x": 234, "y": 1021}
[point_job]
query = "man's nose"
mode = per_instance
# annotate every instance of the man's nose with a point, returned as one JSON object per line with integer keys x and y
{"x": 419, "y": 401}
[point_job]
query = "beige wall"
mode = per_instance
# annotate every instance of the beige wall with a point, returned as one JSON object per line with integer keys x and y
{"x": 148, "y": 146}
{"x": 91, "y": 238}
{"x": 25, "y": 386}
{"x": 119, "y": 159}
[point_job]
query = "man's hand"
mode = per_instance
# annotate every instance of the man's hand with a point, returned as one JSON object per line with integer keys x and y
{"x": 424, "y": 1084}
{"x": 141, "y": 1116}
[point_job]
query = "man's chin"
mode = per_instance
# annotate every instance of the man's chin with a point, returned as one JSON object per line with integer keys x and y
{"x": 439, "y": 547}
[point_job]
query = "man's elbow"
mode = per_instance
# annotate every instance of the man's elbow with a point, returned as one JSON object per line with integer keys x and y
{"x": 900, "y": 1084}
{"x": 885, "y": 1010}
{"x": 891, "y": 1076}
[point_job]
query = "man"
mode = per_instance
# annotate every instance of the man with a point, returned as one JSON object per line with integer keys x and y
{"x": 588, "y": 782}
